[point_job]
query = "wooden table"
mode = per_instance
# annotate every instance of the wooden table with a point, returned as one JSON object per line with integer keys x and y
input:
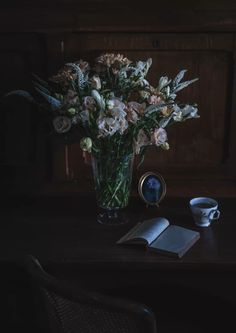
{"x": 62, "y": 232}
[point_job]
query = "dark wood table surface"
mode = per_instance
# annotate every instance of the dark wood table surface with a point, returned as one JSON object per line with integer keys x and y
{"x": 65, "y": 230}
{"x": 63, "y": 233}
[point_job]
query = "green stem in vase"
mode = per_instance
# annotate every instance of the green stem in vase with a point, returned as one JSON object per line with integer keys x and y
{"x": 112, "y": 176}
{"x": 114, "y": 194}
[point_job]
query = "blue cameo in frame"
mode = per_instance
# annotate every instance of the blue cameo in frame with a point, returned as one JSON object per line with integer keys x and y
{"x": 152, "y": 188}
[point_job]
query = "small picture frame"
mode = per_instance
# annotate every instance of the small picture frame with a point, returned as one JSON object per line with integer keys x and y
{"x": 152, "y": 188}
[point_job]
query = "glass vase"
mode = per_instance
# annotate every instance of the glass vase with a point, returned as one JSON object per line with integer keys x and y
{"x": 112, "y": 177}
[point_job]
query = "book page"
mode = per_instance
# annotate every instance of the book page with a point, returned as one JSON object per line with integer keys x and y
{"x": 175, "y": 240}
{"x": 147, "y": 231}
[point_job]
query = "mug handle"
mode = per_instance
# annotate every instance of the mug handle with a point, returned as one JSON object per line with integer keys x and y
{"x": 214, "y": 214}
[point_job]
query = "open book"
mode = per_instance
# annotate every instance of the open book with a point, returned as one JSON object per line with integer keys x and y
{"x": 158, "y": 235}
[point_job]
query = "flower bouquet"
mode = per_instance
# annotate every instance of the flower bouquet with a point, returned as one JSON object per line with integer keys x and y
{"x": 117, "y": 113}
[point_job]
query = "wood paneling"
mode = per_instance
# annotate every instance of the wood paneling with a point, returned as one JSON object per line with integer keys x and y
{"x": 20, "y": 56}
{"x": 108, "y": 15}
{"x": 198, "y": 36}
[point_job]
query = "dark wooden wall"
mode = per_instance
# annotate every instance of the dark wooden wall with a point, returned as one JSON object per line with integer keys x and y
{"x": 198, "y": 36}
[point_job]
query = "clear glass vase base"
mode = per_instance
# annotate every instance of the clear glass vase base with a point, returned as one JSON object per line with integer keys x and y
{"x": 112, "y": 217}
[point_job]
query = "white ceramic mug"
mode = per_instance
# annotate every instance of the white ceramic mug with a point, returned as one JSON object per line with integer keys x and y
{"x": 204, "y": 210}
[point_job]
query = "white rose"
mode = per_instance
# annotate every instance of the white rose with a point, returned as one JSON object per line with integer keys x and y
{"x": 159, "y": 137}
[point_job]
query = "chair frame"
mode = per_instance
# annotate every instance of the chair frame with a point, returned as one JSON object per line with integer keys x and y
{"x": 41, "y": 279}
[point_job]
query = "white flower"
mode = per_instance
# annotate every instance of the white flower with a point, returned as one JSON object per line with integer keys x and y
{"x": 149, "y": 62}
{"x": 154, "y": 99}
{"x": 183, "y": 85}
{"x": 62, "y": 124}
{"x": 144, "y": 83}
{"x": 115, "y": 103}
{"x": 115, "y": 119}
{"x": 117, "y": 108}
{"x": 142, "y": 67}
{"x": 163, "y": 82}
{"x": 110, "y": 104}
{"x": 187, "y": 112}
{"x": 96, "y": 82}
{"x": 84, "y": 116}
{"x": 190, "y": 111}
{"x": 118, "y": 112}
{"x": 89, "y": 103}
{"x": 108, "y": 126}
{"x": 98, "y": 98}
{"x": 177, "y": 114}
{"x": 159, "y": 137}
{"x": 167, "y": 91}
{"x": 141, "y": 141}
{"x": 105, "y": 126}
